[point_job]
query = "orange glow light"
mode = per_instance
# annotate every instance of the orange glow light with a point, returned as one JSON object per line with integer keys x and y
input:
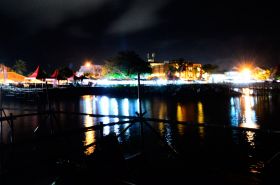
{"x": 88, "y": 64}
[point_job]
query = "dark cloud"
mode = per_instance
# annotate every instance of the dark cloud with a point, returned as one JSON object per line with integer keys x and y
{"x": 59, "y": 32}
{"x": 48, "y": 13}
{"x": 139, "y": 16}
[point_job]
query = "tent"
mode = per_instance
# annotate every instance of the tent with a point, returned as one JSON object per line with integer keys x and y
{"x": 53, "y": 79}
{"x": 10, "y": 77}
{"x": 37, "y": 76}
{"x": 55, "y": 74}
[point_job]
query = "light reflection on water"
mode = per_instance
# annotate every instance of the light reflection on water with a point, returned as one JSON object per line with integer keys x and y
{"x": 106, "y": 106}
{"x": 242, "y": 111}
{"x": 180, "y": 117}
{"x": 89, "y": 135}
{"x": 181, "y": 112}
{"x": 243, "y": 114}
{"x": 103, "y": 108}
{"x": 200, "y": 113}
{"x": 127, "y": 107}
{"x": 200, "y": 120}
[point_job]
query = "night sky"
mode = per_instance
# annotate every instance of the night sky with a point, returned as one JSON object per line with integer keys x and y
{"x": 59, "y": 32}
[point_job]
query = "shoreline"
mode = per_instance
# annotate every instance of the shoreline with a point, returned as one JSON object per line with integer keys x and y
{"x": 168, "y": 91}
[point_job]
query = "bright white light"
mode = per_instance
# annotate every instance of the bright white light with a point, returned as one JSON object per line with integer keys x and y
{"x": 158, "y": 82}
{"x": 125, "y": 107}
{"x": 114, "y": 108}
{"x": 246, "y": 74}
{"x": 103, "y": 107}
{"x": 249, "y": 117}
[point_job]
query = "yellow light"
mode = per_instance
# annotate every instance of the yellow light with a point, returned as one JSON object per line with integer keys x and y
{"x": 88, "y": 64}
{"x": 180, "y": 113}
{"x": 90, "y": 135}
{"x": 246, "y": 71}
{"x": 200, "y": 116}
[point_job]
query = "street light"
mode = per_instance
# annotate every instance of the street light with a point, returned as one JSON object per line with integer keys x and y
{"x": 246, "y": 74}
{"x": 88, "y": 64}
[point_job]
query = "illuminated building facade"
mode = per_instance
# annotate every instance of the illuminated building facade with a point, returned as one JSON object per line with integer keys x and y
{"x": 191, "y": 71}
{"x": 159, "y": 69}
{"x": 180, "y": 69}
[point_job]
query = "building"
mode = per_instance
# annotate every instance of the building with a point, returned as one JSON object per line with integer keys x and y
{"x": 159, "y": 69}
{"x": 190, "y": 71}
{"x": 176, "y": 69}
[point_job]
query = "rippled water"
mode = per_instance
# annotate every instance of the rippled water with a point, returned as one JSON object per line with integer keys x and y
{"x": 245, "y": 111}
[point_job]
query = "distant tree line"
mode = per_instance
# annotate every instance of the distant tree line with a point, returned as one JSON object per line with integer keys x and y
{"x": 127, "y": 64}
{"x": 20, "y": 67}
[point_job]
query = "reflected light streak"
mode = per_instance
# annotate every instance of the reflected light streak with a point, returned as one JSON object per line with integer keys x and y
{"x": 180, "y": 113}
{"x": 162, "y": 111}
{"x": 106, "y": 130}
{"x": 114, "y": 108}
{"x": 90, "y": 135}
{"x": 125, "y": 107}
{"x": 89, "y": 139}
{"x": 104, "y": 109}
{"x": 249, "y": 115}
{"x": 117, "y": 129}
{"x": 242, "y": 110}
{"x": 87, "y": 104}
{"x": 181, "y": 128}
{"x": 125, "y": 112}
{"x": 200, "y": 118}
{"x": 234, "y": 112}
{"x": 253, "y": 167}
{"x": 201, "y": 132}
{"x": 180, "y": 117}
{"x": 250, "y": 138}
{"x": 161, "y": 128}
{"x": 168, "y": 134}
